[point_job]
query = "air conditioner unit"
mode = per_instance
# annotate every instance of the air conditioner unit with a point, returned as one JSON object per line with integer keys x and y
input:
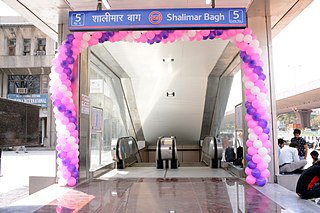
{"x": 22, "y": 90}
{"x": 41, "y": 52}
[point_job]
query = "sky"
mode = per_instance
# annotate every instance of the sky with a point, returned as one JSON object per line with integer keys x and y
{"x": 294, "y": 50}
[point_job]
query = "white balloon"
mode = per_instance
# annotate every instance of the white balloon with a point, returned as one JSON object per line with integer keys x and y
{"x": 257, "y": 144}
{"x": 136, "y": 34}
{"x": 263, "y": 151}
{"x": 68, "y": 94}
{"x": 259, "y": 51}
{"x": 249, "y": 85}
{"x": 192, "y": 33}
{"x": 245, "y": 78}
{"x": 267, "y": 158}
{"x": 261, "y": 96}
{"x": 62, "y": 182}
{"x": 63, "y": 88}
{"x": 250, "y": 130}
{"x": 265, "y": 103}
{"x": 75, "y": 147}
{"x": 59, "y": 161}
{"x": 239, "y": 37}
{"x": 254, "y": 43}
{"x": 71, "y": 140}
{"x": 252, "y": 136}
{"x": 86, "y": 37}
{"x": 255, "y": 90}
{"x": 247, "y": 38}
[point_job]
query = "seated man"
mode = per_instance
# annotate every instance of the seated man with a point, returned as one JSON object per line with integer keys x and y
{"x": 308, "y": 185}
{"x": 289, "y": 159}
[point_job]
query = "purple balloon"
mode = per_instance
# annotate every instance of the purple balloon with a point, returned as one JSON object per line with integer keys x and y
{"x": 219, "y": 32}
{"x": 262, "y": 76}
{"x": 157, "y": 39}
{"x": 73, "y": 119}
{"x": 212, "y": 35}
{"x": 64, "y": 64}
{"x": 249, "y": 157}
{"x": 258, "y": 70}
{"x": 263, "y": 123}
{"x": 61, "y": 108}
{"x": 252, "y": 165}
{"x": 75, "y": 174}
{"x": 150, "y": 41}
{"x": 248, "y": 104}
{"x": 251, "y": 110}
{"x": 66, "y": 161}
{"x": 68, "y": 113}
{"x": 242, "y": 54}
{"x": 252, "y": 63}
{"x": 164, "y": 34}
{"x": 261, "y": 181}
{"x": 246, "y": 59}
{"x": 205, "y": 37}
{"x": 110, "y": 33}
{"x": 68, "y": 45}
{"x": 67, "y": 71}
{"x": 256, "y": 173}
{"x": 256, "y": 116}
{"x": 266, "y": 130}
{"x": 70, "y": 37}
{"x": 71, "y": 168}
{"x": 70, "y": 60}
{"x": 56, "y": 103}
{"x": 69, "y": 52}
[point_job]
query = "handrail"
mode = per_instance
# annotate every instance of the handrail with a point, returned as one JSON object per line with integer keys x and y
{"x": 211, "y": 153}
{"x": 127, "y": 152}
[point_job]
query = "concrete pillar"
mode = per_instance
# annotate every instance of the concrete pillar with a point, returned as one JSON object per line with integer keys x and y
{"x": 260, "y": 23}
{"x": 303, "y": 117}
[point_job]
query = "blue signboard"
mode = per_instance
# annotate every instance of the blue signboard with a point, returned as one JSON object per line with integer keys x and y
{"x": 198, "y": 18}
{"x": 36, "y": 99}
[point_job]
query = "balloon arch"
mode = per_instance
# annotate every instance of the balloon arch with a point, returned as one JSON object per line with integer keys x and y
{"x": 62, "y": 87}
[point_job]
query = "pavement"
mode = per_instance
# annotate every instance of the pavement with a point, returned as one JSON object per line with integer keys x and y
{"x": 16, "y": 169}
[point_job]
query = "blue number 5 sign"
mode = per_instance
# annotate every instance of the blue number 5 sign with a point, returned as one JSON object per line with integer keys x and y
{"x": 78, "y": 19}
{"x": 236, "y": 16}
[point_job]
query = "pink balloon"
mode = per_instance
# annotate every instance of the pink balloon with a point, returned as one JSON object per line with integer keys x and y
{"x": 150, "y": 35}
{"x": 256, "y": 104}
{"x": 231, "y": 33}
{"x": 250, "y": 179}
{"x": 248, "y": 71}
{"x": 249, "y": 50}
{"x": 66, "y": 147}
{"x": 143, "y": 38}
{"x": 262, "y": 166}
{"x": 263, "y": 137}
{"x": 97, "y": 35}
{"x": 247, "y": 31}
{"x": 72, "y": 154}
{"x": 62, "y": 155}
{"x": 71, "y": 127}
{"x": 249, "y": 143}
{"x": 252, "y": 150}
{"x": 76, "y": 42}
{"x": 253, "y": 77}
{"x": 259, "y": 83}
{"x": 198, "y": 36}
{"x": 224, "y": 35}
{"x": 261, "y": 110}
{"x": 247, "y": 91}
{"x": 248, "y": 171}
{"x": 250, "y": 97}
{"x": 242, "y": 45}
{"x": 265, "y": 173}
{"x": 164, "y": 41}
{"x": 205, "y": 32}
{"x": 256, "y": 158}
{"x": 72, "y": 181}
{"x": 252, "y": 124}
{"x": 258, "y": 130}
{"x": 171, "y": 38}
{"x": 78, "y": 35}
{"x": 66, "y": 174}
{"x": 267, "y": 144}
{"x": 75, "y": 160}
{"x": 255, "y": 57}
{"x": 248, "y": 117}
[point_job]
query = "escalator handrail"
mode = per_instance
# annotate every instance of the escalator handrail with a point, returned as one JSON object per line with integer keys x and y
{"x": 118, "y": 144}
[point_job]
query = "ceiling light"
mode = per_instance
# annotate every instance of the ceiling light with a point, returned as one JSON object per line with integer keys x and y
{"x": 208, "y": 1}
{"x": 168, "y": 60}
{"x": 171, "y": 94}
{"x": 106, "y": 4}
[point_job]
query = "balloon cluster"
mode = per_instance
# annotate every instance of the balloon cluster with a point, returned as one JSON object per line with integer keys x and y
{"x": 65, "y": 112}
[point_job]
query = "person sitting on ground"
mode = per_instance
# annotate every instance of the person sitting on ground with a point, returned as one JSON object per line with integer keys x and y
{"x": 315, "y": 156}
{"x": 289, "y": 160}
{"x": 280, "y": 145}
{"x": 308, "y": 185}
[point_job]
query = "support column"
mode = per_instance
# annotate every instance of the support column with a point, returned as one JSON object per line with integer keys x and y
{"x": 260, "y": 23}
{"x": 303, "y": 117}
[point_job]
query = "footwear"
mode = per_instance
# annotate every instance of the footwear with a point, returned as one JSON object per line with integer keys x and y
{"x": 17, "y": 152}
{"x": 25, "y": 152}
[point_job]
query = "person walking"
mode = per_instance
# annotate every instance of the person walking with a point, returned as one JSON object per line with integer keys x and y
{"x": 302, "y": 144}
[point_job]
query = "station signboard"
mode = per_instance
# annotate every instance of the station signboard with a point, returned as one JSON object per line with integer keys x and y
{"x": 156, "y": 19}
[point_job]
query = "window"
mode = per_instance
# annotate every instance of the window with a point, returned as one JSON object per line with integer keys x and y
{"x": 12, "y": 47}
{"x": 24, "y": 84}
{"x": 26, "y": 46}
{"x": 41, "y": 49}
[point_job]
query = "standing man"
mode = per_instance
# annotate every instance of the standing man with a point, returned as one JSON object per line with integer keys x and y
{"x": 302, "y": 144}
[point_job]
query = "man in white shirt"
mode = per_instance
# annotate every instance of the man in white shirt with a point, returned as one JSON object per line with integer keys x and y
{"x": 289, "y": 159}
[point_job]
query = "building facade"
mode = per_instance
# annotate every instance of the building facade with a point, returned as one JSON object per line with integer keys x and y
{"x": 25, "y": 59}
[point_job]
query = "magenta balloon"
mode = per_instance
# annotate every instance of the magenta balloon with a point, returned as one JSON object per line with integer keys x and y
{"x": 98, "y": 35}
{"x": 71, "y": 181}
{"x": 248, "y": 71}
{"x": 265, "y": 173}
{"x": 78, "y": 35}
{"x": 248, "y": 117}
{"x": 205, "y": 32}
{"x": 250, "y": 97}
{"x": 66, "y": 147}
{"x": 66, "y": 174}
{"x": 250, "y": 179}
{"x": 261, "y": 110}
{"x": 253, "y": 77}
{"x": 252, "y": 124}
{"x": 256, "y": 158}
{"x": 171, "y": 38}
{"x": 247, "y": 91}
{"x": 263, "y": 137}
{"x": 262, "y": 166}
{"x": 267, "y": 144}
{"x": 249, "y": 143}
{"x": 248, "y": 171}
{"x": 252, "y": 151}
{"x": 72, "y": 154}
{"x": 256, "y": 104}
{"x": 150, "y": 35}
{"x": 71, "y": 127}
{"x": 258, "y": 130}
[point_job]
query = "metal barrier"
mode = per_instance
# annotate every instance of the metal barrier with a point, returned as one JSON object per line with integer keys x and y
{"x": 127, "y": 152}
{"x": 211, "y": 153}
{"x": 166, "y": 153}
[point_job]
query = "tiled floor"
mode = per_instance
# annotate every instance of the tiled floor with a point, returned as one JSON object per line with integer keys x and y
{"x": 161, "y": 191}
